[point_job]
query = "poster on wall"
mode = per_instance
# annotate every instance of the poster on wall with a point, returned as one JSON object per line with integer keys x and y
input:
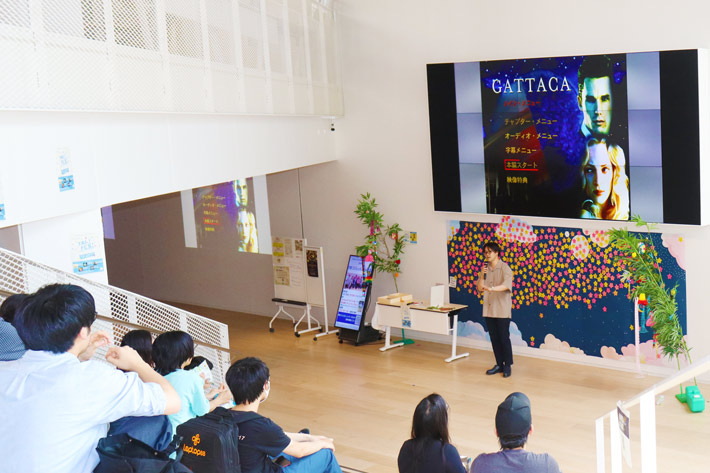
{"x": 568, "y": 294}
{"x": 2, "y": 204}
{"x": 65, "y": 170}
{"x": 87, "y": 254}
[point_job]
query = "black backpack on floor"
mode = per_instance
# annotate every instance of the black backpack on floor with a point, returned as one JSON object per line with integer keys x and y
{"x": 210, "y": 442}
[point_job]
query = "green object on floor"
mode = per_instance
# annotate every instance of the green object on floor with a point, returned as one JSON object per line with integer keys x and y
{"x": 405, "y": 340}
{"x": 693, "y": 398}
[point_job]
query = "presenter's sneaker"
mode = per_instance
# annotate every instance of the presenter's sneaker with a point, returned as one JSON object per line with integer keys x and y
{"x": 495, "y": 370}
{"x": 506, "y": 372}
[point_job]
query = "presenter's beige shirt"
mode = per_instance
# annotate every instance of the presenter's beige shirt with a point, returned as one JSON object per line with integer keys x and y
{"x": 498, "y": 304}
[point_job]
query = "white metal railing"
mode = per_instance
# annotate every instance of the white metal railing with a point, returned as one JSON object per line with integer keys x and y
{"x": 121, "y": 310}
{"x": 647, "y": 417}
{"x": 201, "y": 56}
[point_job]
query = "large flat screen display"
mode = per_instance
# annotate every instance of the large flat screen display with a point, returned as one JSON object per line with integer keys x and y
{"x": 354, "y": 294}
{"x": 598, "y": 136}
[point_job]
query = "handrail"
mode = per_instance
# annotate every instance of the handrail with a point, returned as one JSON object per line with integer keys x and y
{"x": 646, "y": 399}
{"x": 133, "y": 326}
{"x": 686, "y": 373}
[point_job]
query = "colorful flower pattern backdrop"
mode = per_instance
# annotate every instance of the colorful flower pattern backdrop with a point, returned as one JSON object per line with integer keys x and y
{"x": 567, "y": 289}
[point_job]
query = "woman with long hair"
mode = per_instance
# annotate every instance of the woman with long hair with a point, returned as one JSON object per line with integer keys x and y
{"x": 605, "y": 183}
{"x": 430, "y": 450}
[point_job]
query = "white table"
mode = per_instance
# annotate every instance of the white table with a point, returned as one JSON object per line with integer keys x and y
{"x": 440, "y": 321}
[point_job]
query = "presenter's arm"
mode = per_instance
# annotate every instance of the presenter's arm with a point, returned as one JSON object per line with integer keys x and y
{"x": 507, "y": 281}
{"x": 303, "y": 445}
{"x": 127, "y": 359}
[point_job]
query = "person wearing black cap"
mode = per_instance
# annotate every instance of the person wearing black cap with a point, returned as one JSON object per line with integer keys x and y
{"x": 513, "y": 425}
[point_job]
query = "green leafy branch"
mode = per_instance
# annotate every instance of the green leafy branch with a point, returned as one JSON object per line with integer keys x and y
{"x": 641, "y": 265}
{"x": 380, "y": 237}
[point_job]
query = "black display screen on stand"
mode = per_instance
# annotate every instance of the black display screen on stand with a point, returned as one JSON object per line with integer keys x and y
{"x": 354, "y": 300}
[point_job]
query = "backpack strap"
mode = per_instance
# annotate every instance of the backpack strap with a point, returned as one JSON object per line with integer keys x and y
{"x": 247, "y": 416}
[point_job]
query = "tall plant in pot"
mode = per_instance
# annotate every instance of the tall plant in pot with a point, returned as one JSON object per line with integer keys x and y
{"x": 383, "y": 245}
{"x": 641, "y": 270}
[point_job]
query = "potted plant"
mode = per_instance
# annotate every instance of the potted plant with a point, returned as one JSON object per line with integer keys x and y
{"x": 383, "y": 245}
{"x": 641, "y": 270}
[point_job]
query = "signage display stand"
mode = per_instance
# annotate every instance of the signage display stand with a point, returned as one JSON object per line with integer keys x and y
{"x": 354, "y": 301}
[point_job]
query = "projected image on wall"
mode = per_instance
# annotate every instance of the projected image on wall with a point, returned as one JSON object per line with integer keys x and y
{"x": 230, "y": 216}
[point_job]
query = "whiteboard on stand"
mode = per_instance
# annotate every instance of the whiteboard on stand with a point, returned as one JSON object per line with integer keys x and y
{"x": 289, "y": 268}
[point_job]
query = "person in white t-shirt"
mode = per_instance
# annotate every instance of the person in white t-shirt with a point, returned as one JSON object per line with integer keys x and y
{"x": 54, "y": 404}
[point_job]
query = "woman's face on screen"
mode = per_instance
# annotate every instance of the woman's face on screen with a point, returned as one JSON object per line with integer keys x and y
{"x": 244, "y": 226}
{"x": 598, "y": 173}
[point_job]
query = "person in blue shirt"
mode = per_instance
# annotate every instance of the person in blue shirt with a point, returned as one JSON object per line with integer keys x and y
{"x": 430, "y": 450}
{"x": 156, "y": 431}
{"x": 172, "y": 352}
{"x": 55, "y": 401}
{"x": 11, "y": 345}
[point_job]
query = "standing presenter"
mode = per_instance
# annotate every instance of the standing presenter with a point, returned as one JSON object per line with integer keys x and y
{"x": 495, "y": 282}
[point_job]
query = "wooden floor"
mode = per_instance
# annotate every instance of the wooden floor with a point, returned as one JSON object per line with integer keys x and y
{"x": 365, "y": 398}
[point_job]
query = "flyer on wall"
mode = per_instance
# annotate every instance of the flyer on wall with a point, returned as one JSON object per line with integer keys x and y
{"x": 87, "y": 254}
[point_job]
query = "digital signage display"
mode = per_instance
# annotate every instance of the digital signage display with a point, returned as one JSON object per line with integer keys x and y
{"x": 603, "y": 136}
{"x": 353, "y": 298}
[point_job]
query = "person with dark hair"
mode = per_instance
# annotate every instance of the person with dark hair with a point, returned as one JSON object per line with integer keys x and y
{"x": 142, "y": 342}
{"x": 495, "y": 282}
{"x": 156, "y": 431}
{"x": 595, "y": 98}
{"x": 261, "y": 441}
{"x": 55, "y": 405}
{"x": 11, "y": 345}
{"x": 172, "y": 352}
{"x": 513, "y": 426}
{"x": 430, "y": 450}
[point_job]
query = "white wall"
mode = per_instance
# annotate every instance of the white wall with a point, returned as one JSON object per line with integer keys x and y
{"x": 383, "y": 140}
{"x": 119, "y": 157}
{"x": 56, "y": 242}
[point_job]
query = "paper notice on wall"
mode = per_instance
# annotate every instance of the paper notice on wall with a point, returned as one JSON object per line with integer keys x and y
{"x": 87, "y": 254}
{"x": 2, "y": 204}
{"x": 312, "y": 263}
{"x": 282, "y": 276}
{"x": 296, "y": 276}
{"x": 277, "y": 248}
{"x": 623, "y": 417}
{"x": 65, "y": 170}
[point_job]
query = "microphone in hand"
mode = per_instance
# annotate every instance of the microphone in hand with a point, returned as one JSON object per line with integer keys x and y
{"x": 485, "y": 270}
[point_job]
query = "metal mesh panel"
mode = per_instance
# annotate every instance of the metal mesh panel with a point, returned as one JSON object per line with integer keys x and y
{"x": 21, "y": 275}
{"x": 227, "y": 56}
{"x": 135, "y": 24}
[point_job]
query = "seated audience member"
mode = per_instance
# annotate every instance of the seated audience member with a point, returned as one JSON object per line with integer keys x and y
{"x": 55, "y": 405}
{"x": 155, "y": 431}
{"x": 429, "y": 450}
{"x": 513, "y": 425}
{"x": 11, "y": 345}
{"x": 172, "y": 352}
{"x": 261, "y": 441}
{"x": 142, "y": 342}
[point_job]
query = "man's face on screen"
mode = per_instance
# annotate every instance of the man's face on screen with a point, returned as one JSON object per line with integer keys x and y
{"x": 241, "y": 192}
{"x": 596, "y": 103}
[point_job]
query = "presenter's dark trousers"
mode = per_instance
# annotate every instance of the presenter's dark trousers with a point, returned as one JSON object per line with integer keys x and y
{"x": 499, "y": 331}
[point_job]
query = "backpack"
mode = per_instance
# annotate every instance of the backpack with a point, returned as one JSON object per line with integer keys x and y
{"x": 123, "y": 454}
{"x": 210, "y": 442}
